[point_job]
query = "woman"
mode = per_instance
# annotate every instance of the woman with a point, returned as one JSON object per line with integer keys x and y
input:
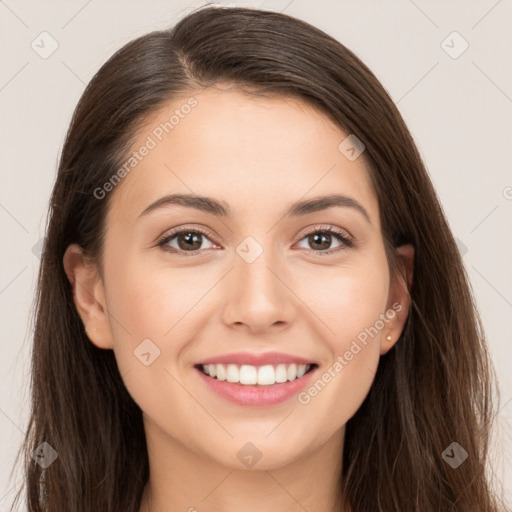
{"x": 249, "y": 295}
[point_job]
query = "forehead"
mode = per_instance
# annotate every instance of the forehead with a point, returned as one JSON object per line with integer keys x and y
{"x": 247, "y": 150}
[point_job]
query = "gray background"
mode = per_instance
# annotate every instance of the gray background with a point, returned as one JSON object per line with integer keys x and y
{"x": 458, "y": 108}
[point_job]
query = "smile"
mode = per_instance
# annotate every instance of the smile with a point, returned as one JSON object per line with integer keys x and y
{"x": 261, "y": 386}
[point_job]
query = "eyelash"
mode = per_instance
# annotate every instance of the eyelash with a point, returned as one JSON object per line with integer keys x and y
{"x": 340, "y": 234}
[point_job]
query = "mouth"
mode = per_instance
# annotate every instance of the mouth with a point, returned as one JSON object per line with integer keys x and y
{"x": 256, "y": 376}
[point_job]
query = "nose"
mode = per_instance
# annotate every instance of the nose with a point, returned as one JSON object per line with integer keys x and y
{"x": 258, "y": 296}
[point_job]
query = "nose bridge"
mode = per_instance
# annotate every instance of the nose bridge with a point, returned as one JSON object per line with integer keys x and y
{"x": 255, "y": 259}
{"x": 257, "y": 295}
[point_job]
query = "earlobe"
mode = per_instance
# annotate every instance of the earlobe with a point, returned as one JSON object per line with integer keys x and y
{"x": 399, "y": 299}
{"x": 88, "y": 296}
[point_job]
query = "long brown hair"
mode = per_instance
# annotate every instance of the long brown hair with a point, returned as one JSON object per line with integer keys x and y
{"x": 436, "y": 385}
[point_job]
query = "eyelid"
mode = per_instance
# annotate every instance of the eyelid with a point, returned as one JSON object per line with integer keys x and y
{"x": 326, "y": 227}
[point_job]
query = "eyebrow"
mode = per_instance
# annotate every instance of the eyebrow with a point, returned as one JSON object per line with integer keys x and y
{"x": 222, "y": 209}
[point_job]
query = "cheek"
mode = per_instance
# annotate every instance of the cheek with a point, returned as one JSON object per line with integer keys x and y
{"x": 145, "y": 309}
{"x": 151, "y": 313}
{"x": 347, "y": 299}
{"x": 350, "y": 302}
{"x": 150, "y": 300}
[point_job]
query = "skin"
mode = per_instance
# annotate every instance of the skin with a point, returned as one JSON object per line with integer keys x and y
{"x": 258, "y": 155}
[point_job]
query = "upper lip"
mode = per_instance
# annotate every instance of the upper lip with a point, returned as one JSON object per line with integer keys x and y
{"x": 253, "y": 359}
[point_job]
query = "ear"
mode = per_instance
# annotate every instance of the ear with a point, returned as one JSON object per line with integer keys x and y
{"x": 399, "y": 300}
{"x": 88, "y": 296}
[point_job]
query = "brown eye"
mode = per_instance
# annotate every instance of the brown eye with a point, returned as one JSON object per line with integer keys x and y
{"x": 189, "y": 240}
{"x": 185, "y": 241}
{"x": 321, "y": 240}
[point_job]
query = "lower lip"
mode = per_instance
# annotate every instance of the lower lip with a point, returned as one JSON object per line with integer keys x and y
{"x": 242, "y": 394}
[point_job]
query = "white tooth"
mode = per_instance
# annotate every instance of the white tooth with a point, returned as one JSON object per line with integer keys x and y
{"x": 248, "y": 374}
{"x": 220, "y": 371}
{"x": 292, "y": 372}
{"x": 266, "y": 375}
{"x": 302, "y": 369}
{"x": 281, "y": 374}
{"x": 232, "y": 373}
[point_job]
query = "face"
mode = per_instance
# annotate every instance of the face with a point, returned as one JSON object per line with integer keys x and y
{"x": 260, "y": 268}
